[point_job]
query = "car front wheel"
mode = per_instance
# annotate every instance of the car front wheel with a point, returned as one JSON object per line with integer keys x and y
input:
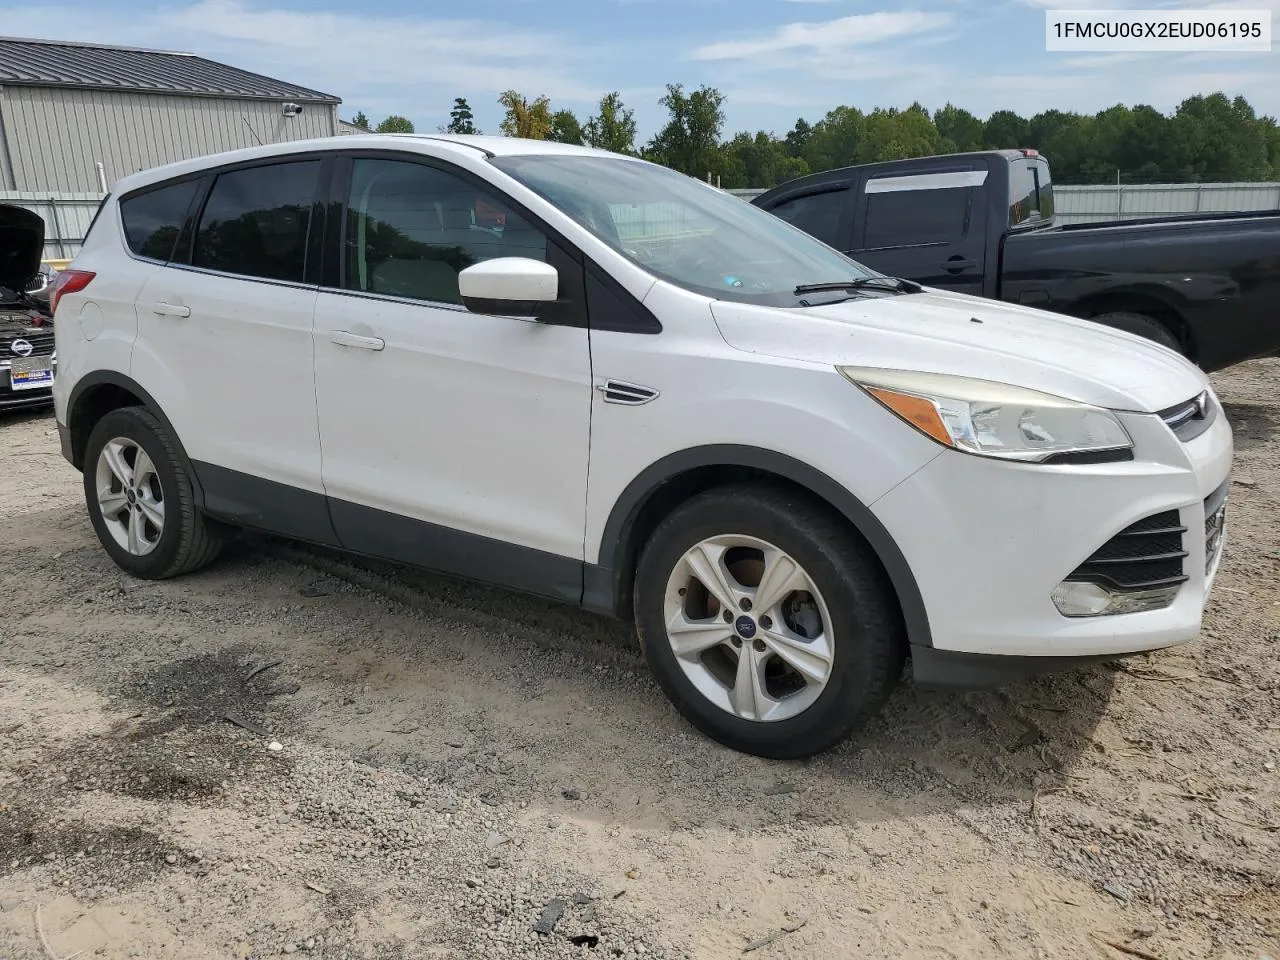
{"x": 766, "y": 621}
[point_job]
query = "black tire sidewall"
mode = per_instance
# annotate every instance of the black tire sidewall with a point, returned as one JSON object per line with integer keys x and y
{"x": 133, "y": 424}
{"x": 857, "y": 601}
{"x": 1141, "y": 326}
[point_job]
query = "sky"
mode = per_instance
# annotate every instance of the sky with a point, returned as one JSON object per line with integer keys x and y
{"x": 775, "y": 60}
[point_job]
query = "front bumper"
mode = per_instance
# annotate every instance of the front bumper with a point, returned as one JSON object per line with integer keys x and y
{"x": 988, "y": 541}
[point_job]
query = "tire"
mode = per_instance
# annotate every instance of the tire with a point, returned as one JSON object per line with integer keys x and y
{"x": 1142, "y": 326}
{"x": 185, "y": 541}
{"x": 861, "y": 626}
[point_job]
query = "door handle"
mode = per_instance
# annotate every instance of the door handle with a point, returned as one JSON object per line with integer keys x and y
{"x": 956, "y": 264}
{"x": 162, "y": 308}
{"x": 344, "y": 339}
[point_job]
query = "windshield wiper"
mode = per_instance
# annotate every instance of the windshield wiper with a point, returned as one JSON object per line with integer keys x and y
{"x": 875, "y": 283}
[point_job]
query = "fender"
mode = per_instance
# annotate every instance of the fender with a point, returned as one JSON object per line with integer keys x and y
{"x": 603, "y": 585}
{"x": 74, "y": 446}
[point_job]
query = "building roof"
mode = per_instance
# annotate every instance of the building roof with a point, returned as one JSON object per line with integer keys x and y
{"x": 89, "y": 66}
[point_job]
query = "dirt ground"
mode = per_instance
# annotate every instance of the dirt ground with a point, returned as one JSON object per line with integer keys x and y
{"x": 297, "y": 753}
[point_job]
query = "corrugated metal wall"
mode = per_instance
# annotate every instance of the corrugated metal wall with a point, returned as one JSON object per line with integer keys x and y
{"x": 53, "y": 139}
{"x": 66, "y": 218}
{"x": 1084, "y": 204}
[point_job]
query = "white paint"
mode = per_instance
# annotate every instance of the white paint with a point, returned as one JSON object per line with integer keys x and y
{"x": 493, "y": 426}
{"x": 509, "y": 278}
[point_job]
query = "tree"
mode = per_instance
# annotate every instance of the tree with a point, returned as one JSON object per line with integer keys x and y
{"x": 797, "y": 141}
{"x": 531, "y": 121}
{"x": 690, "y": 141}
{"x": 1004, "y": 130}
{"x": 898, "y": 134}
{"x": 835, "y": 139}
{"x": 613, "y": 128}
{"x": 960, "y": 130}
{"x": 360, "y": 120}
{"x": 565, "y": 128}
{"x": 461, "y": 120}
{"x": 395, "y": 124}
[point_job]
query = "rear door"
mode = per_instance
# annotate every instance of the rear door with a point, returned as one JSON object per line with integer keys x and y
{"x": 926, "y": 224}
{"x": 224, "y": 343}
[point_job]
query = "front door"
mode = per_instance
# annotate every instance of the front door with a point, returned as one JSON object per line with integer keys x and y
{"x": 451, "y": 439}
{"x": 929, "y": 227}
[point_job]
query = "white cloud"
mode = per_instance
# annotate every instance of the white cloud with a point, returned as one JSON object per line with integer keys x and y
{"x": 409, "y": 65}
{"x": 827, "y": 36}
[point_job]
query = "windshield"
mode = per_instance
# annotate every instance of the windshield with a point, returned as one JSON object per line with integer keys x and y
{"x": 684, "y": 231}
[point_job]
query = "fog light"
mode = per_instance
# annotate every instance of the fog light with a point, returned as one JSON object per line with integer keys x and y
{"x": 1084, "y": 599}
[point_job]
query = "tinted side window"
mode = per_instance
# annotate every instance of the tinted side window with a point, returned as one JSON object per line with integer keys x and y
{"x": 256, "y": 221}
{"x": 152, "y": 220}
{"x": 411, "y": 229}
{"x": 817, "y": 214}
{"x": 900, "y": 218}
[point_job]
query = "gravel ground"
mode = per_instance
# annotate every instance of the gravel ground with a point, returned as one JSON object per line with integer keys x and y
{"x": 298, "y": 753}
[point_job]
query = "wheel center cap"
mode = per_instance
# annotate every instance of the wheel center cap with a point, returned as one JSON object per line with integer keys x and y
{"x": 745, "y": 626}
{"x": 130, "y": 494}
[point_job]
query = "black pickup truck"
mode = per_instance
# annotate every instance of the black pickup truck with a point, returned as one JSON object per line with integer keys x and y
{"x": 1207, "y": 285}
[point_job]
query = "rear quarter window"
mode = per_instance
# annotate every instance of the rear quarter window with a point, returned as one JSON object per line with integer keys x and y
{"x": 153, "y": 220}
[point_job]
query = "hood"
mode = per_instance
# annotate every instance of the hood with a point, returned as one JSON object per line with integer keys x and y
{"x": 21, "y": 244}
{"x": 940, "y": 332}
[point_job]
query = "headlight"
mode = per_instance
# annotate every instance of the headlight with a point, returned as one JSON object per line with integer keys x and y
{"x": 994, "y": 419}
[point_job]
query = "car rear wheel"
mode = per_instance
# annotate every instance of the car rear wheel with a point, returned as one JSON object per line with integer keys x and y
{"x": 767, "y": 624}
{"x": 1142, "y": 326}
{"x": 140, "y": 499}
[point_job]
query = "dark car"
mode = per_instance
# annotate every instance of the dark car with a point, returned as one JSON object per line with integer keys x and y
{"x": 1205, "y": 285}
{"x": 27, "y": 361}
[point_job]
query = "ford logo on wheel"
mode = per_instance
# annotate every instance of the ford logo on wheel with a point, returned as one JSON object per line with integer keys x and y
{"x": 21, "y": 347}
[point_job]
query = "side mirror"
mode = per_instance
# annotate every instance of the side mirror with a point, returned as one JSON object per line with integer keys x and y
{"x": 509, "y": 286}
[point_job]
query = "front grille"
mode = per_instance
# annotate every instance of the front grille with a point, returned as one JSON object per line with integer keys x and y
{"x": 1191, "y": 418}
{"x": 40, "y": 338}
{"x": 1144, "y": 555}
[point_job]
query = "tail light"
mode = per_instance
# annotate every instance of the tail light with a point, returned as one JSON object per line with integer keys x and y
{"x": 68, "y": 281}
{"x": 1026, "y": 152}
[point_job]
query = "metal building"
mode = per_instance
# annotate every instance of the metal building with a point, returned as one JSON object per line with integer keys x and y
{"x": 74, "y": 117}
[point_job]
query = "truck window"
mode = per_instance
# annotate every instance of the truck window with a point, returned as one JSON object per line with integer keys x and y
{"x": 901, "y": 218}
{"x": 1030, "y": 191}
{"x": 817, "y": 214}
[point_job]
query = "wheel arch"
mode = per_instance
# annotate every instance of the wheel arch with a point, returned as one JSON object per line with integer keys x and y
{"x": 665, "y": 484}
{"x": 97, "y": 394}
{"x": 1154, "y": 304}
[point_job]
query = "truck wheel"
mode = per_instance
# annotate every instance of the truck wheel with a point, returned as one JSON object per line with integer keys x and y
{"x": 140, "y": 500}
{"x": 1143, "y": 326}
{"x": 770, "y": 629}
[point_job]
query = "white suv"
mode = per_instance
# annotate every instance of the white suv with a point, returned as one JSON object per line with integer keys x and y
{"x": 588, "y": 377}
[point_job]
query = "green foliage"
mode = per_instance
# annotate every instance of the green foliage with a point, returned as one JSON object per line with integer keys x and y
{"x": 565, "y": 128}
{"x": 1207, "y": 138}
{"x": 613, "y": 128}
{"x": 690, "y": 142}
{"x": 395, "y": 124}
{"x": 461, "y": 119}
{"x": 531, "y": 121}
{"x": 360, "y": 120}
